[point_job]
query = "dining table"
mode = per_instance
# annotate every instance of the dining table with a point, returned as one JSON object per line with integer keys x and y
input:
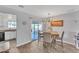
{"x": 54, "y": 36}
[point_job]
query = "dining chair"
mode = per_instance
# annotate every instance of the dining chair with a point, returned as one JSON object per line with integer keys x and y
{"x": 61, "y": 38}
{"x": 40, "y": 36}
{"x": 47, "y": 39}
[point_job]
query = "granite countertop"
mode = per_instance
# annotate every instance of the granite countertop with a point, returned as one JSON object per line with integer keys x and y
{"x": 7, "y": 30}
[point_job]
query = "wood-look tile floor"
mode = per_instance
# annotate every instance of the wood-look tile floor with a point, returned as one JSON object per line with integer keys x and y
{"x": 36, "y": 47}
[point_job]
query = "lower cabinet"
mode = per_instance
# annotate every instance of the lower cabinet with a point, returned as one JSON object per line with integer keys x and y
{"x": 10, "y": 35}
{"x": 7, "y": 35}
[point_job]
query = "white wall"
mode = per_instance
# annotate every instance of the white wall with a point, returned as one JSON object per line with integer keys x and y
{"x": 70, "y": 26}
{"x": 76, "y": 16}
{"x": 23, "y": 32}
{"x": 1, "y": 21}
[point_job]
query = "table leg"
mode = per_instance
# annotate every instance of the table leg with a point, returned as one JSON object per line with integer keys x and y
{"x": 53, "y": 42}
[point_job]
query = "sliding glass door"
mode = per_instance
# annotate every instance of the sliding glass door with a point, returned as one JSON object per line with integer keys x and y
{"x": 35, "y": 29}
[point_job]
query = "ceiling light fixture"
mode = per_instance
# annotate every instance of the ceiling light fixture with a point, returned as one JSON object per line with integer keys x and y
{"x": 48, "y": 13}
{"x": 21, "y": 6}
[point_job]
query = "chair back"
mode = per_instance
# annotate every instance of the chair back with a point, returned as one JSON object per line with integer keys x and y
{"x": 62, "y": 35}
{"x": 47, "y": 37}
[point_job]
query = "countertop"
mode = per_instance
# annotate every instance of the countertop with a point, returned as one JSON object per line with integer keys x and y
{"x": 7, "y": 30}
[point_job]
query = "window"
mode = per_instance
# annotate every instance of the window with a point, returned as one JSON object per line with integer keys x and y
{"x": 11, "y": 24}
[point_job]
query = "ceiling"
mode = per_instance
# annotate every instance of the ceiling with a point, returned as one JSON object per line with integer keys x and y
{"x": 45, "y": 10}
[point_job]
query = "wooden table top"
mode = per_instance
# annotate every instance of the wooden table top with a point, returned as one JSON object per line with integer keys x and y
{"x": 52, "y": 33}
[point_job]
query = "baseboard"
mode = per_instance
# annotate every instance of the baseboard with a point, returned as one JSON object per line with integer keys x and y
{"x": 32, "y": 41}
{"x": 67, "y": 42}
{"x": 23, "y": 44}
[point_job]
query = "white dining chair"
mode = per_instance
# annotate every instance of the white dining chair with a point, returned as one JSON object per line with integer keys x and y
{"x": 47, "y": 39}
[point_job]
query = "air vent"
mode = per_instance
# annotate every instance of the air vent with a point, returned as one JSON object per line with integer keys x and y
{"x": 21, "y": 6}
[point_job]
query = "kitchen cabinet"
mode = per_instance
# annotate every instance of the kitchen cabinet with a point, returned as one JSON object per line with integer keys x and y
{"x": 7, "y": 35}
{"x": 10, "y": 35}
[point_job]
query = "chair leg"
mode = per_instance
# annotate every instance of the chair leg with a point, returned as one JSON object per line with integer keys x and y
{"x": 62, "y": 43}
{"x": 53, "y": 42}
{"x": 44, "y": 44}
{"x": 38, "y": 40}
